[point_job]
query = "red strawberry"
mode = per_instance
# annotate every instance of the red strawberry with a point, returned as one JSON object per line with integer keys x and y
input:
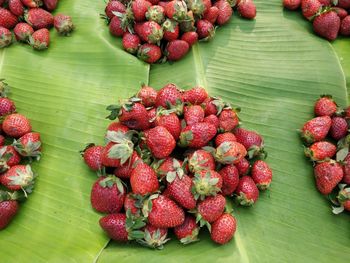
{"x": 39, "y": 18}
{"x": 345, "y": 26}
{"x": 23, "y": 31}
{"x": 147, "y": 95}
{"x": 139, "y": 9}
{"x": 344, "y": 4}
{"x": 29, "y": 145}
{"x": 108, "y": 194}
{"x": 327, "y": 25}
{"x": 40, "y": 39}
{"x": 343, "y": 198}
{"x": 210, "y": 209}
{"x": 18, "y": 177}
{"x": 7, "y": 106}
{"x": 262, "y": 174}
{"x": 5, "y": 37}
{"x": 16, "y": 125}
{"x": 213, "y": 119}
{"x": 247, "y": 192}
{"x": 176, "y": 49}
{"x": 223, "y": 229}
{"x": 197, "y": 7}
{"x": 180, "y": 191}
{"x": 195, "y": 96}
{"x": 190, "y": 37}
{"x": 133, "y": 204}
{"x": 327, "y": 176}
{"x": 170, "y": 121}
{"x": 114, "y": 6}
{"x": 341, "y": 12}
{"x": 134, "y": 116}
{"x": 154, "y": 237}
{"x": 169, "y": 168}
{"x": 50, "y": 5}
{"x": 117, "y": 127}
{"x": 230, "y": 152}
{"x": 211, "y": 14}
{"x": 165, "y": 213}
{"x": 63, "y": 24}
{"x": 16, "y": 7}
{"x": 243, "y": 166}
{"x": 144, "y": 180}
{"x": 339, "y": 128}
{"x": 325, "y": 106}
{"x": 228, "y": 120}
{"x": 230, "y": 178}
{"x": 346, "y": 168}
{"x": 160, "y": 142}
{"x": 124, "y": 171}
{"x": 155, "y": 13}
{"x": 116, "y": 154}
{"x": 171, "y": 30}
{"x": 8, "y": 209}
{"x": 131, "y": 42}
{"x": 152, "y": 113}
{"x": 177, "y": 10}
{"x": 205, "y": 29}
{"x": 309, "y": 8}
{"x": 193, "y": 114}
{"x": 213, "y": 106}
{"x": 188, "y": 231}
{"x": 225, "y": 137}
{"x": 320, "y": 151}
{"x": 115, "y": 226}
{"x": 115, "y": 27}
{"x": 316, "y": 129}
{"x": 206, "y": 183}
{"x": 32, "y": 3}
{"x": 251, "y": 140}
{"x": 149, "y": 53}
{"x": 197, "y": 135}
{"x": 151, "y": 32}
{"x": 93, "y": 156}
{"x": 201, "y": 160}
{"x": 225, "y": 12}
{"x": 7, "y": 19}
{"x": 292, "y": 4}
{"x": 168, "y": 96}
{"x": 247, "y": 9}
{"x": 8, "y": 157}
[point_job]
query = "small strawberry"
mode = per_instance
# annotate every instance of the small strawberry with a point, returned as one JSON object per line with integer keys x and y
{"x": 8, "y": 157}
{"x": 144, "y": 180}
{"x": 8, "y": 209}
{"x": 50, "y": 5}
{"x": 193, "y": 114}
{"x": 225, "y": 137}
{"x": 169, "y": 96}
{"x": 206, "y": 183}
{"x": 63, "y": 24}
{"x": 16, "y": 7}
{"x": 325, "y": 106}
{"x": 187, "y": 232}
{"x": 149, "y": 53}
{"x": 92, "y": 155}
{"x": 243, "y": 166}
{"x": 346, "y": 168}
{"x": 328, "y": 175}
{"x": 230, "y": 178}
{"x": 316, "y": 129}
{"x": 205, "y": 29}
{"x": 7, "y": 106}
{"x": 344, "y": 4}
{"x": 115, "y": 226}
{"x": 16, "y": 125}
{"x": 341, "y": 12}
{"x": 310, "y": 8}
{"x": 252, "y": 141}
{"x": 139, "y": 9}
{"x": 225, "y": 12}
{"x": 210, "y": 209}
{"x": 230, "y": 152}
{"x": 147, "y": 95}
{"x": 292, "y": 4}
{"x": 339, "y": 128}
{"x": 176, "y": 49}
{"x": 124, "y": 171}
{"x": 18, "y": 177}
{"x": 190, "y": 37}
{"x": 247, "y": 9}
{"x": 211, "y": 14}
{"x": 327, "y": 25}
{"x": 345, "y": 26}
{"x": 262, "y": 174}
{"x": 228, "y": 119}
{"x": 155, "y": 13}
{"x": 5, "y": 37}
{"x": 29, "y": 145}
{"x": 114, "y": 6}
{"x": 246, "y": 191}
{"x": 39, "y": 18}
{"x": 200, "y": 160}
{"x": 180, "y": 191}
{"x": 171, "y": 30}
{"x": 177, "y": 10}
{"x": 154, "y": 237}
{"x": 169, "y": 120}
{"x": 197, "y": 135}
{"x": 115, "y": 27}
{"x": 223, "y": 229}
{"x": 134, "y": 116}
{"x": 213, "y": 106}
{"x": 23, "y": 31}
{"x": 213, "y": 119}
{"x": 32, "y": 3}
{"x": 7, "y": 19}
{"x": 320, "y": 151}
{"x": 40, "y": 39}
{"x": 131, "y": 42}
{"x": 195, "y": 96}
{"x": 160, "y": 142}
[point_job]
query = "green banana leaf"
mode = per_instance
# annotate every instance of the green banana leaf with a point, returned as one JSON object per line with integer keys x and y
{"x": 273, "y": 68}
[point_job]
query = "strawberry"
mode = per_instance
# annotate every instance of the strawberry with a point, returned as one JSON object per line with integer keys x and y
{"x": 32, "y": 3}
{"x": 345, "y": 26}
{"x": 8, "y": 157}
{"x": 92, "y": 155}
{"x": 155, "y": 13}
{"x": 176, "y": 49}
{"x": 18, "y": 177}
{"x": 223, "y": 229}
{"x": 230, "y": 152}
{"x": 39, "y": 18}
{"x": 132, "y": 203}
{"x": 29, "y": 145}
{"x": 262, "y": 174}
{"x": 228, "y": 120}
{"x": 149, "y": 53}
{"x": 225, "y": 12}
{"x": 144, "y": 180}
{"x": 160, "y": 142}
{"x": 115, "y": 27}
{"x": 171, "y": 30}
{"x": 170, "y": 121}
{"x": 16, "y": 7}
{"x": 316, "y": 129}
{"x": 190, "y": 37}
{"x": 169, "y": 96}
{"x": 114, "y": 6}
{"x": 230, "y": 178}
{"x": 346, "y": 168}
{"x": 63, "y": 24}
{"x": 213, "y": 119}
{"x": 177, "y": 10}
{"x": 187, "y": 232}
{"x": 200, "y": 160}
{"x": 327, "y": 25}
{"x": 40, "y": 39}
{"x": 7, "y": 19}
{"x": 139, "y": 9}
{"x": 309, "y": 8}
{"x": 292, "y": 4}
{"x": 225, "y": 137}
{"x": 243, "y": 166}
{"x": 205, "y": 29}
{"x": 195, "y": 96}
{"x": 23, "y": 31}
{"x": 206, "y": 183}
{"x": 328, "y": 175}
{"x": 152, "y": 114}
{"x": 134, "y": 116}
{"x": 169, "y": 168}
{"x": 213, "y": 106}
{"x": 7, "y": 106}
{"x": 116, "y": 154}
{"x": 147, "y": 95}
{"x": 180, "y": 191}
{"x": 325, "y": 106}
{"x": 246, "y": 191}
{"x": 5, "y": 38}
{"x": 247, "y": 9}
{"x": 320, "y": 151}
{"x": 211, "y": 14}
{"x": 16, "y": 125}
{"x": 165, "y": 213}
{"x": 339, "y": 128}
{"x": 193, "y": 114}
{"x": 341, "y": 12}
{"x": 197, "y": 135}
{"x": 197, "y": 7}
{"x": 8, "y": 209}
{"x": 50, "y": 5}
{"x": 151, "y": 32}
{"x": 115, "y": 226}
{"x": 154, "y": 237}
{"x": 344, "y": 4}
{"x": 343, "y": 198}
{"x": 210, "y": 209}
{"x": 124, "y": 171}
{"x": 252, "y": 141}
{"x": 131, "y": 42}
{"x": 117, "y": 127}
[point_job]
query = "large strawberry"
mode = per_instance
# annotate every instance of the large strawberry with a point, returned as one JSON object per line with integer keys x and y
{"x": 151, "y": 32}
{"x": 180, "y": 191}
{"x": 18, "y": 177}
{"x": 195, "y": 96}
{"x": 206, "y": 183}
{"x": 29, "y": 145}
{"x": 40, "y": 39}
{"x": 8, "y": 209}
{"x": 176, "y": 49}
{"x": 115, "y": 226}
{"x": 225, "y": 12}
{"x": 327, "y": 25}
{"x": 228, "y": 119}
{"x": 144, "y": 180}
{"x": 229, "y": 152}
{"x": 7, "y": 19}
{"x": 316, "y": 129}
{"x": 325, "y": 106}
{"x": 169, "y": 96}
{"x": 320, "y": 151}
{"x": 205, "y": 30}
{"x": 328, "y": 175}
{"x": 252, "y": 141}
{"x": 210, "y": 209}
{"x": 16, "y": 125}
{"x": 230, "y": 178}
{"x": 23, "y": 31}
{"x": 197, "y": 135}
{"x": 169, "y": 120}
{"x": 223, "y": 229}
{"x": 139, "y": 9}
{"x": 16, "y": 7}
{"x": 149, "y": 53}
{"x": 39, "y": 18}
{"x": 147, "y": 95}
{"x": 309, "y": 8}
{"x": 187, "y": 232}
{"x": 193, "y": 114}
{"x": 262, "y": 174}
{"x": 247, "y": 192}
{"x": 160, "y": 142}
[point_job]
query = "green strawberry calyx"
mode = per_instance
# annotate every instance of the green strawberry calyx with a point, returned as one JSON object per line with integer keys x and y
{"x": 24, "y": 179}
{"x": 204, "y": 186}
{"x": 122, "y": 151}
{"x": 30, "y": 149}
{"x": 191, "y": 238}
{"x": 112, "y": 180}
{"x": 153, "y": 240}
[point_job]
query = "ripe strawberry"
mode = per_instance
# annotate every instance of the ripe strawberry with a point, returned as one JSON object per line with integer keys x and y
{"x": 206, "y": 183}
{"x": 155, "y": 13}
{"x": 115, "y": 27}
{"x": 154, "y": 237}
{"x": 339, "y": 128}
{"x": 247, "y": 9}
{"x": 23, "y": 31}
{"x": 230, "y": 152}
{"x": 213, "y": 119}
{"x": 176, "y": 49}
{"x": 32, "y": 3}
{"x": 29, "y": 145}
{"x": 5, "y": 37}
{"x": 328, "y": 175}
{"x": 225, "y": 137}
{"x": 133, "y": 203}
{"x": 63, "y": 24}
{"x": 39, "y": 18}
{"x": 309, "y": 8}
{"x": 190, "y": 37}
{"x": 165, "y": 213}
{"x": 320, "y": 151}
{"x": 252, "y": 141}
{"x": 50, "y": 5}
{"x": 230, "y": 178}
{"x": 151, "y": 32}
{"x": 16, "y": 125}
{"x": 341, "y": 12}
{"x": 228, "y": 120}
{"x": 7, "y": 106}
{"x": 345, "y": 26}
{"x": 124, "y": 171}
{"x": 139, "y": 9}
{"x": 108, "y": 194}
{"x": 292, "y": 4}
{"x": 325, "y": 106}
{"x": 131, "y": 42}
{"x": 210, "y": 209}
{"x": 246, "y": 191}
{"x": 147, "y": 95}
{"x": 343, "y": 198}
{"x": 180, "y": 191}
{"x": 115, "y": 226}
{"x": 195, "y": 96}
{"x": 16, "y": 7}
{"x": 171, "y": 30}
{"x": 114, "y": 6}
{"x": 213, "y": 106}
{"x": 197, "y": 135}
{"x": 18, "y": 177}
{"x": 262, "y": 174}
{"x": 316, "y": 129}
{"x": 92, "y": 155}
{"x": 211, "y": 14}
{"x": 201, "y": 160}
{"x": 223, "y": 229}
{"x": 344, "y": 4}
{"x": 170, "y": 121}
{"x": 197, "y": 7}
{"x": 40, "y": 39}
{"x": 8, "y": 209}
{"x": 177, "y": 10}
{"x": 116, "y": 154}
{"x": 134, "y": 116}
{"x": 205, "y": 29}
{"x": 144, "y": 180}
{"x": 169, "y": 96}
{"x": 169, "y": 168}
{"x": 327, "y": 25}
{"x": 225, "y": 12}
{"x": 243, "y": 166}
{"x": 152, "y": 113}
{"x": 117, "y": 127}
{"x": 7, "y": 19}
{"x": 193, "y": 114}
{"x": 160, "y": 142}
{"x": 149, "y": 53}
{"x": 346, "y": 168}
{"x": 188, "y": 231}
{"x": 8, "y": 157}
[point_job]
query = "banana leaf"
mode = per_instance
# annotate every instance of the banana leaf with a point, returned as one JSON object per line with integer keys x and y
{"x": 273, "y": 68}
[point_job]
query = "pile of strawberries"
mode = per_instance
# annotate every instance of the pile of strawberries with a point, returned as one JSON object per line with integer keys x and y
{"x": 156, "y": 30}
{"x": 327, "y": 140}
{"x": 329, "y": 17}
{"x": 31, "y": 21}
{"x": 19, "y": 146}
{"x": 170, "y": 162}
